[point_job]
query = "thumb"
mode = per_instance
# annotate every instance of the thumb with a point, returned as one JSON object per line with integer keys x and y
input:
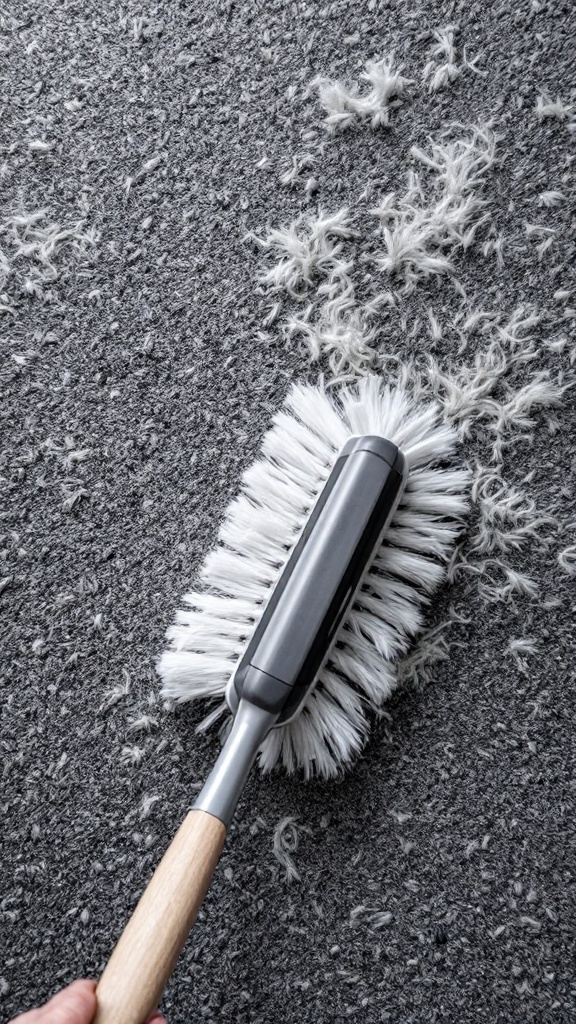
{"x": 75, "y": 1004}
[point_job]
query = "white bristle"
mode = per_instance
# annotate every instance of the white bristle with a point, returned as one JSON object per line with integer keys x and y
{"x": 263, "y": 524}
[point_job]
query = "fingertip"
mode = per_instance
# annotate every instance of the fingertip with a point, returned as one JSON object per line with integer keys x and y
{"x": 82, "y": 984}
{"x": 75, "y": 1004}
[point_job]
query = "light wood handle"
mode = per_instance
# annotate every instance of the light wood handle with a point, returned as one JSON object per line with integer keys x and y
{"x": 146, "y": 954}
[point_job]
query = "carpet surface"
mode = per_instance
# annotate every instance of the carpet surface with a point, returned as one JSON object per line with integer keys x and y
{"x": 144, "y": 351}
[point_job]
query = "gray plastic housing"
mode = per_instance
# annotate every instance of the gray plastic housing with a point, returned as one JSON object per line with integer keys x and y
{"x": 299, "y": 624}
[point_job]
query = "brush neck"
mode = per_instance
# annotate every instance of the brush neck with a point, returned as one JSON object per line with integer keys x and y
{"x": 223, "y": 787}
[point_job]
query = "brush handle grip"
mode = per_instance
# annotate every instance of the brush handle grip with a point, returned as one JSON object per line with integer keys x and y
{"x": 145, "y": 956}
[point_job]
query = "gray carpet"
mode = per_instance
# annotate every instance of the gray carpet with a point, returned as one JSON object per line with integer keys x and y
{"x": 135, "y": 389}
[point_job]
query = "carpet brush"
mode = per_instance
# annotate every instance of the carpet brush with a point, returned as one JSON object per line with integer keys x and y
{"x": 324, "y": 562}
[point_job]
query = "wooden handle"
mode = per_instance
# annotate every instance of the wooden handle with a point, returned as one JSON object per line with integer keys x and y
{"x": 146, "y": 954}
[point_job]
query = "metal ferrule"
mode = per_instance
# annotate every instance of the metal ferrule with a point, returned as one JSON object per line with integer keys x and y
{"x": 221, "y": 791}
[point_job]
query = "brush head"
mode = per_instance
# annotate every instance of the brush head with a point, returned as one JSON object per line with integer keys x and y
{"x": 263, "y": 526}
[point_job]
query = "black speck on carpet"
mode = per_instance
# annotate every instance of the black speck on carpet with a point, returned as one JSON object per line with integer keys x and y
{"x": 137, "y": 381}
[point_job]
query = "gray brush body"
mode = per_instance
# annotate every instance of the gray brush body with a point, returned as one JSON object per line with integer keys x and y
{"x": 300, "y": 622}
